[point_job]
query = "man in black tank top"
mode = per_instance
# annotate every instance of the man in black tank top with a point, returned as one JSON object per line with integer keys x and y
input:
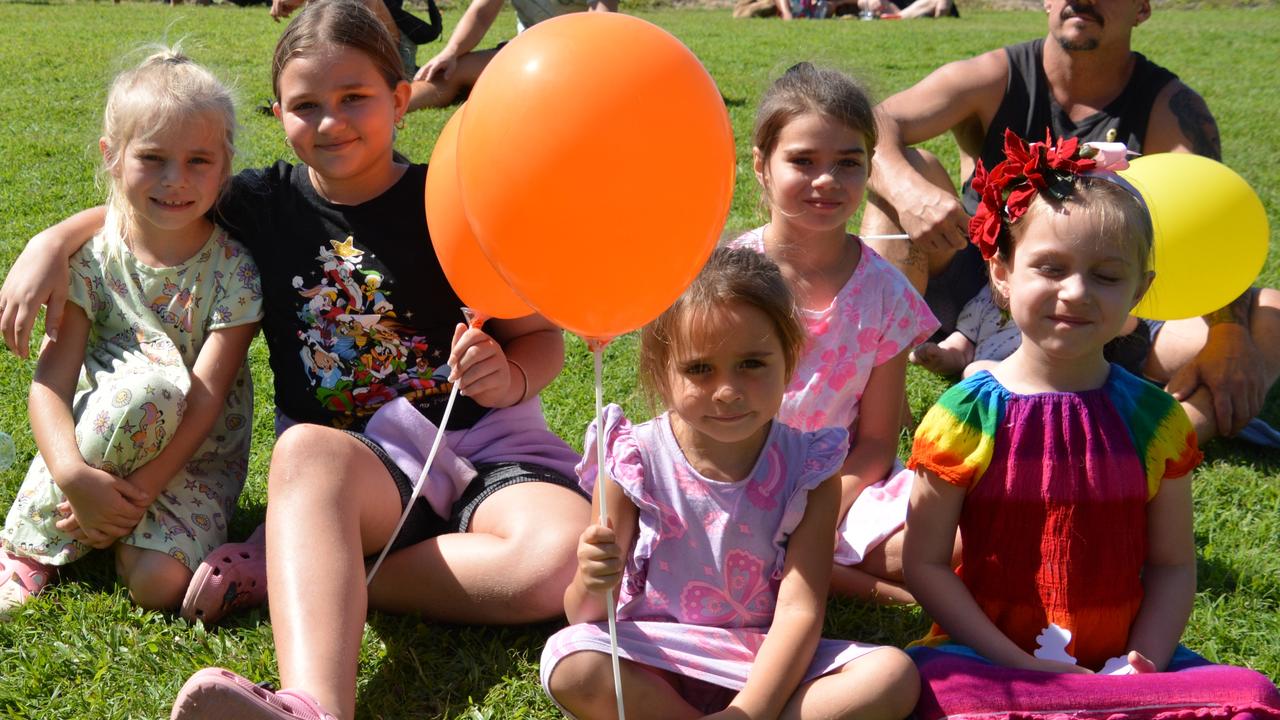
{"x": 1082, "y": 80}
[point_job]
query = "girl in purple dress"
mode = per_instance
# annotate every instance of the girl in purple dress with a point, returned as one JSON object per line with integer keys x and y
{"x": 719, "y": 539}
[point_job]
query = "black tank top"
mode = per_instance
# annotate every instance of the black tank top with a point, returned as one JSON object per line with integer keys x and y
{"x": 1028, "y": 108}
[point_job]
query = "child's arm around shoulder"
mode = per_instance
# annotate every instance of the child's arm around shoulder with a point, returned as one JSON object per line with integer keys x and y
{"x": 215, "y": 369}
{"x": 1169, "y": 575}
{"x": 932, "y": 519}
{"x": 802, "y": 603}
{"x": 39, "y": 277}
{"x": 602, "y": 553}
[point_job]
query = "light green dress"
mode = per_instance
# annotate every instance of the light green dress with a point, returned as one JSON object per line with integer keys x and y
{"x": 148, "y": 325}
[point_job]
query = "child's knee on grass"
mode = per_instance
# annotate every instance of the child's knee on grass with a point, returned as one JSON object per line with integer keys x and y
{"x": 155, "y": 580}
{"x": 582, "y": 680}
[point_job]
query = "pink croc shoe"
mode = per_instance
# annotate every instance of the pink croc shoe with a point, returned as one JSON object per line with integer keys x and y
{"x": 21, "y": 579}
{"x": 218, "y": 694}
{"x": 232, "y": 577}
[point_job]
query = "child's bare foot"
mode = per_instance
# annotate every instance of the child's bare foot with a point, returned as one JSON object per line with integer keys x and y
{"x": 938, "y": 359}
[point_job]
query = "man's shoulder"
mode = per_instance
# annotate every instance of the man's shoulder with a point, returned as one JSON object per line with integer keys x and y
{"x": 1181, "y": 121}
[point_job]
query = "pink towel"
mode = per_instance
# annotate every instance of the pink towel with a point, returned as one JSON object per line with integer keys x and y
{"x": 955, "y": 686}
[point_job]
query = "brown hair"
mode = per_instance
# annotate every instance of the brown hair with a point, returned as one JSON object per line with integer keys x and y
{"x": 804, "y": 88}
{"x": 326, "y": 24}
{"x": 1120, "y": 213}
{"x": 730, "y": 275}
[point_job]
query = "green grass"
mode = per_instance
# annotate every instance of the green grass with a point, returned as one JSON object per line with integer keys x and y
{"x": 82, "y": 651}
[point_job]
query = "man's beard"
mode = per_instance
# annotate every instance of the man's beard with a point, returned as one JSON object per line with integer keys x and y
{"x": 1079, "y": 45}
{"x": 1084, "y": 45}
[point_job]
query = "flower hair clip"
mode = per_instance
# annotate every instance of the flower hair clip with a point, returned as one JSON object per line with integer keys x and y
{"x": 1007, "y": 189}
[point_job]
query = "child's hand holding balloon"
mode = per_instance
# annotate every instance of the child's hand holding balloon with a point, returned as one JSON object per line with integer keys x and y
{"x": 599, "y": 559}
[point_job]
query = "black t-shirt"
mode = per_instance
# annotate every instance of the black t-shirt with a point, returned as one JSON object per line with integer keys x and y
{"x": 1028, "y": 108}
{"x": 357, "y": 309}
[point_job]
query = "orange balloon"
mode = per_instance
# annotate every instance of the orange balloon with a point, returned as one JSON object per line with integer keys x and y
{"x": 470, "y": 273}
{"x": 596, "y": 162}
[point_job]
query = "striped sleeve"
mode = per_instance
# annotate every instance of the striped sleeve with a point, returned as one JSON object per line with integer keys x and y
{"x": 956, "y": 439}
{"x": 1162, "y": 433}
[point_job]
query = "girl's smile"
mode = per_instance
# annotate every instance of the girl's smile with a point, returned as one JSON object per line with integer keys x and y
{"x": 725, "y": 385}
{"x": 170, "y": 180}
{"x": 817, "y": 172}
{"x": 339, "y": 115}
{"x": 1069, "y": 289}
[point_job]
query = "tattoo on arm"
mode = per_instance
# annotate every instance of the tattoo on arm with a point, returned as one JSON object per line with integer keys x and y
{"x": 1237, "y": 312}
{"x": 1196, "y": 123}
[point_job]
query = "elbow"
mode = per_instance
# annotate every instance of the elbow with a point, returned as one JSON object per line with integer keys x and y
{"x": 805, "y": 618}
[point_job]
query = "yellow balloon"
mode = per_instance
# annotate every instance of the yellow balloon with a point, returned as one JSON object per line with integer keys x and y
{"x": 1211, "y": 234}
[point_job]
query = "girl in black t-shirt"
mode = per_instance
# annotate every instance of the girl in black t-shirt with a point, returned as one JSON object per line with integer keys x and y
{"x": 364, "y": 340}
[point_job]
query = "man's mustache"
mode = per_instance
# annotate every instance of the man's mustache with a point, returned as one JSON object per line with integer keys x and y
{"x": 1069, "y": 12}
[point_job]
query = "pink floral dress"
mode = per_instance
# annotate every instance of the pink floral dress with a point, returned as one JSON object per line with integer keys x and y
{"x": 873, "y": 318}
{"x": 699, "y": 590}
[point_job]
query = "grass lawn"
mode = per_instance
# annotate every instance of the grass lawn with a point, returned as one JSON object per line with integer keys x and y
{"x": 82, "y": 651}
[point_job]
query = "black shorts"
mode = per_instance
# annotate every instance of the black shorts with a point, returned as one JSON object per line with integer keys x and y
{"x": 423, "y": 523}
{"x": 956, "y": 285}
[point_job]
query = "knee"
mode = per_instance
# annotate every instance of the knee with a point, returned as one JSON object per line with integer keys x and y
{"x": 157, "y": 581}
{"x": 547, "y": 556}
{"x": 888, "y": 686}
{"x": 307, "y": 456}
{"x": 142, "y": 409}
{"x": 1269, "y": 298}
{"x": 579, "y": 682}
{"x": 553, "y": 560}
{"x": 900, "y": 680}
{"x": 1266, "y": 320}
{"x": 432, "y": 94}
{"x": 150, "y": 392}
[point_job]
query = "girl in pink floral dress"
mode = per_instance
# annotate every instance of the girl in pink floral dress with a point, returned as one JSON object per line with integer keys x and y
{"x": 814, "y": 135}
{"x": 719, "y": 534}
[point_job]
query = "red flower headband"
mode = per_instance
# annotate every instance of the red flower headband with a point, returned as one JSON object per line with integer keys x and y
{"x": 1006, "y": 191}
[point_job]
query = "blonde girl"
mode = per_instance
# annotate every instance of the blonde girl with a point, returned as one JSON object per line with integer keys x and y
{"x": 492, "y": 538}
{"x": 141, "y": 407}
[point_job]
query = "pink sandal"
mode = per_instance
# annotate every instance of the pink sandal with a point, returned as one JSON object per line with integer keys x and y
{"x": 21, "y": 579}
{"x": 232, "y": 577}
{"x": 218, "y": 694}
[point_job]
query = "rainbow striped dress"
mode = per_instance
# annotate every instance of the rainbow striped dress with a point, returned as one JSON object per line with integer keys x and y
{"x": 1054, "y": 525}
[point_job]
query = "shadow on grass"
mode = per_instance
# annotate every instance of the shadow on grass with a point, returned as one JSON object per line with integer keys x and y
{"x": 1217, "y": 578}
{"x": 855, "y": 620}
{"x": 1238, "y": 452}
{"x": 436, "y": 670}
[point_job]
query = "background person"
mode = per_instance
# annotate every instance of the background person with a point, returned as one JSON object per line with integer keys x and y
{"x": 455, "y": 68}
{"x": 1082, "y": 80}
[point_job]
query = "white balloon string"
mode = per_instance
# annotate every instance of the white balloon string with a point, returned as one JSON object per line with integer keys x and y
{"x": 474, "y": 320}
{"x": 598, "y": 353}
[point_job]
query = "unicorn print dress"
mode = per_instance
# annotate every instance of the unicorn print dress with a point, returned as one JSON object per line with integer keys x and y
{"x": 699, "y": 590}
